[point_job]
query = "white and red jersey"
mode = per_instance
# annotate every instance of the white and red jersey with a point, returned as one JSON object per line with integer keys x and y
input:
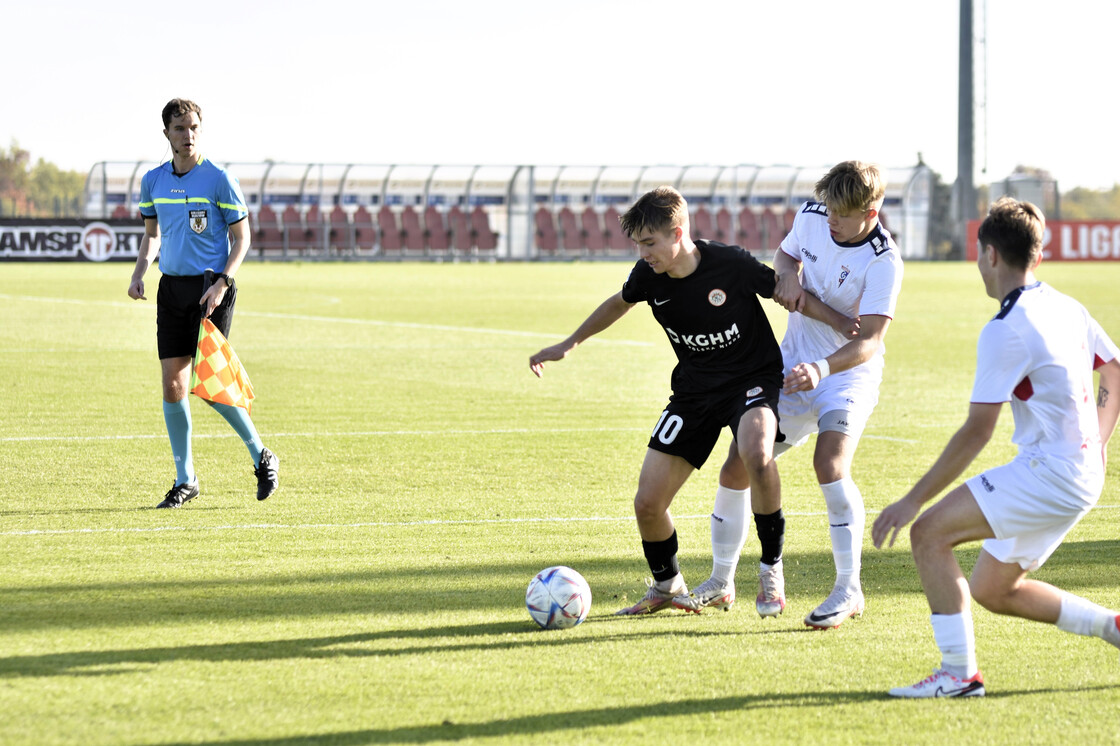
{"x": 856, "y": 279}
{"x": 1039, "y": 353}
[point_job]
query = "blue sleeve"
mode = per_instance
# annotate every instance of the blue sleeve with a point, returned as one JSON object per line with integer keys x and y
{"x": 147, "y": 204}
{"x": 231, "y": 201}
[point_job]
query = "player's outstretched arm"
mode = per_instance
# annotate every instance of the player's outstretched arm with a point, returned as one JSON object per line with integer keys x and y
{"x": 817, "y": 309}
{"x": 608, "y": 312}
{"x": 1108, "y": 402}
{"x": 806, "y": 376}
{"x": 961, "y": 450}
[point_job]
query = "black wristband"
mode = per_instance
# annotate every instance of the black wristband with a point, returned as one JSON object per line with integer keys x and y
{"x": 224, "y": 276}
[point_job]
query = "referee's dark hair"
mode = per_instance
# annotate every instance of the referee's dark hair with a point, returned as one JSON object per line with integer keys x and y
{"x": 1015, "y": 229}
{"x": 178, "y": 107}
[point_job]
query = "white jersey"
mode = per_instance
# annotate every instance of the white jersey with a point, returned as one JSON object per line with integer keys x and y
{"x": 1039, "y": 353}
{"x": 858, "y": 279}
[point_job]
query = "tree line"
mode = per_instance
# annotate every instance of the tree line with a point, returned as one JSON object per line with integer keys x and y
{"x": 37, "y": 190}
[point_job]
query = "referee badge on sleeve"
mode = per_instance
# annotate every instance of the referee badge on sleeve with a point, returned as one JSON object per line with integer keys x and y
{"x": 198, "y": 220}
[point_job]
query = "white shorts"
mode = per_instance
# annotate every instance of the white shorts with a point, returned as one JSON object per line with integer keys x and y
{"x": 1030, "y": 509}
{"x": 800, "y": 414}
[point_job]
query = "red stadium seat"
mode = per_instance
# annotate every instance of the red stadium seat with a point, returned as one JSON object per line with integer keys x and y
{"x": 723, "y": 226}
{"x": 701, "y": 224}
{"x": 121, "y": 212}
{"x": 593, "y": 236}
{"x": 547, "y": 239}
{"x": 787, "y": 224}
{"x": 617, "y": 240}
{"x": 314, "y": 229}
{"x": 437, "y": 237}
{"x": 485, "y": 239}
{"x": 571, "y": 236}
{"x": 365, "y": 234}
{"x": 292, "y": 225}
{"x": 460, "y": 227}
{"x": 341, "y": 236}
{"x": 772, "y": 233}
{"x": 749, "y": 236}
{"x": 410, "y": 228}
{"x": 392, "y": 238}
{"x": 268, "y": 238}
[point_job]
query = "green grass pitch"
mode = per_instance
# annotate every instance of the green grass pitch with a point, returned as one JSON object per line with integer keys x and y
{"x": 426, "y": 475}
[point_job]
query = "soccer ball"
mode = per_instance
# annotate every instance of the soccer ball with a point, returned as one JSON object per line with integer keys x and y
{"x": 558, "y": 598}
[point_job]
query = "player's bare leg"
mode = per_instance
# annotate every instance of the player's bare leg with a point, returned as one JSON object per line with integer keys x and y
{"x": 954, "y": 520}
{"x": 661, "y": 478}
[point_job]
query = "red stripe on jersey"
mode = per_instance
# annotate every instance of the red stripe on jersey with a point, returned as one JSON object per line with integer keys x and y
{"x": 1097, "y": 362}
{"x": 1024, "y": 390}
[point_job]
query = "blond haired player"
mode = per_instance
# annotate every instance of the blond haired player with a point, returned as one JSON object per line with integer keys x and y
{"x": 838, "y": 252}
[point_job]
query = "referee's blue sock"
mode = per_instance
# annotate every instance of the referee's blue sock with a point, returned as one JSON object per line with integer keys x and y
{"x": 239, "y": 420}
{"x": 177, "y": 416}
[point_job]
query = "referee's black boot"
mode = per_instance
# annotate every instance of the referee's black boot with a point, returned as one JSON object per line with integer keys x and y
{"x": 178, "y": 495}
{"x": 267, "y": 478}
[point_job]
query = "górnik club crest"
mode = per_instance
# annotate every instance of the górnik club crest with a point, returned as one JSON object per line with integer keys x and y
{"x": 198, "y": 220}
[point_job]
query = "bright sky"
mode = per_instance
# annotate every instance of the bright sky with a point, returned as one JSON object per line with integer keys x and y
{"x": 615, "y": 82}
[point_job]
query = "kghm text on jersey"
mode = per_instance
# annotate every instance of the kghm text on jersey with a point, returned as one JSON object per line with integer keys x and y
{"x": 708, "y": 341}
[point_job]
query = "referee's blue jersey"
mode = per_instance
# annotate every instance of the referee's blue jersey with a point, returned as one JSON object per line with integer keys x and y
{"x": 194, "y": 211}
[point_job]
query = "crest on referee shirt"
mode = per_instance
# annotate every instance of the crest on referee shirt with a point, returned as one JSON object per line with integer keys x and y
{"x": 198, "y": 220}
{"x": 717, "y": 297}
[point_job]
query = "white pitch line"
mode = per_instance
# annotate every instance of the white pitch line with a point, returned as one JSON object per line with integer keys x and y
{"x": 340, "y": 320}
{"x": 381, "y": 524}
{"x": 306, "y": 526}
{"x": 363, "y": 434}
{"x": 359, "y": 434}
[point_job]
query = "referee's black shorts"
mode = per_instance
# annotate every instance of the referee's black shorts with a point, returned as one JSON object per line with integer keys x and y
{"x": 690, "y": 425}
{"x": 178, "y": 314}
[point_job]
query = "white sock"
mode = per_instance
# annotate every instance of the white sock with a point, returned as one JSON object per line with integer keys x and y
{"x": 672, "y": 584}
{"x": 957, "y": 643}
{"x": 729, "y": 531}
{"x": 1083, "y": 617}
{"x": 846, "y": 518}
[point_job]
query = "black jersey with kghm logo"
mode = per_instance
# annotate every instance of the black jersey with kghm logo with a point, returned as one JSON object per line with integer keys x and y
{"x": 713, "y": 318}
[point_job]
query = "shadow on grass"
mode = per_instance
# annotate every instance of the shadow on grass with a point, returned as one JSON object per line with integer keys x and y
{"x": 553, "y": 725}
{"x": 494, "y": 636}
{"x": 186, "y": 598}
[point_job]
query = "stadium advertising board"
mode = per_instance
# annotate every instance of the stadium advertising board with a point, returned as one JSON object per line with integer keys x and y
{"x": 1068, "y": 240}
{"x": 69, "y": 240}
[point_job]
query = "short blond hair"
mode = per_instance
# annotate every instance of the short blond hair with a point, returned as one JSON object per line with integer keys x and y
{"x": 851, "y": 186}
{"x": 658, "y": 210}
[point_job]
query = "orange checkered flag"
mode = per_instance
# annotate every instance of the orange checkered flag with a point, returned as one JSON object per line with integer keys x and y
{"x": 217, "y": 375}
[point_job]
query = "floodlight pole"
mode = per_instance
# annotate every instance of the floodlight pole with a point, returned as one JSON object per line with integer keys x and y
{"x": 966, "y": 192}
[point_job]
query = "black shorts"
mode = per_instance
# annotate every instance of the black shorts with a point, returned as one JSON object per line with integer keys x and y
{"x": 690, "y": 426}
{"x": 178, "y": 314}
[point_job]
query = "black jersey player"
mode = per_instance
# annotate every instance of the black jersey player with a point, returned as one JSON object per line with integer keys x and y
{"x": 728, "y": 373}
